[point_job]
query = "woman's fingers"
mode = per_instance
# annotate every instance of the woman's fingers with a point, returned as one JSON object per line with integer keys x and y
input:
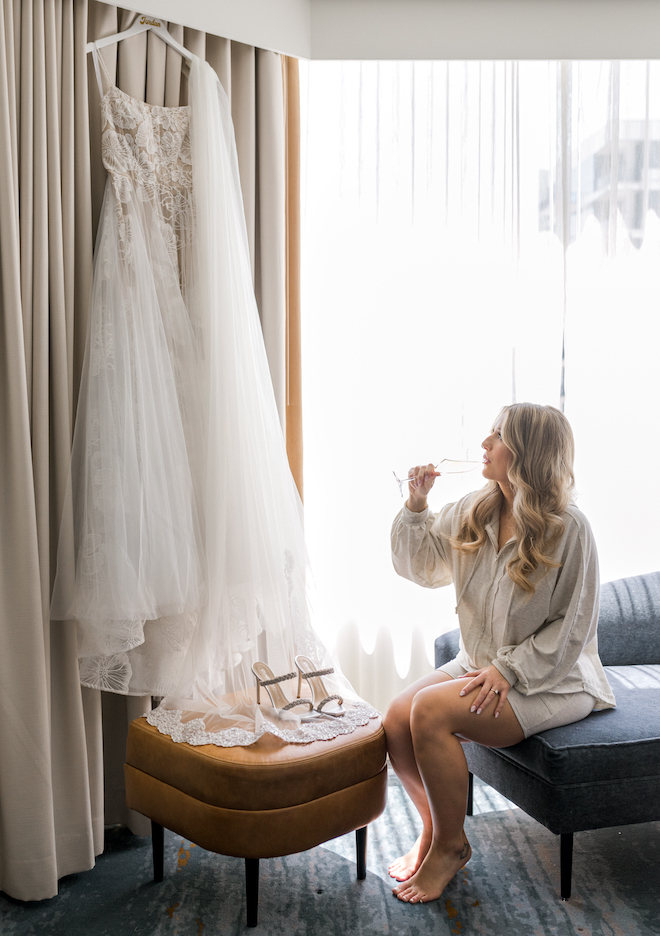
{"x": 497, "y": 696}
{"x": 477, "y": 682}
{"x": 492, "y": 697}
{"x": 421, "y": 478}
{"x": 501, "y": 699}
{"x": 477, "y": 679}
{"x": 483, "y": 700}
{"x": 493, "y": 689}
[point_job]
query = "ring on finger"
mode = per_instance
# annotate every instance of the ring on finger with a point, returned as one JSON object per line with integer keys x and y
{"x": 496, "y": 691}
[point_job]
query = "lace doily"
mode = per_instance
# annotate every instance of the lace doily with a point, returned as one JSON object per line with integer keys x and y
{"x": 168, "y": 722}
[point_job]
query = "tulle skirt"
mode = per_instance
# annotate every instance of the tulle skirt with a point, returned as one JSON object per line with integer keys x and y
{"x": 138, "y": 578}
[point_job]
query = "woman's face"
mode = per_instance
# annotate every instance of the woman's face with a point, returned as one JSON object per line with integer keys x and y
{"x": 497, "y": 457}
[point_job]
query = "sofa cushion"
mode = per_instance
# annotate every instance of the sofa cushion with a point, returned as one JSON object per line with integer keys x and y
{"x": 446, "y": 647}
{"x": 616, "y": 744}
{"x": 629, "y": 620}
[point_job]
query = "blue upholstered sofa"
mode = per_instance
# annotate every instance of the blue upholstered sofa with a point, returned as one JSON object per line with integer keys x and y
{"x": 602, "y": 771}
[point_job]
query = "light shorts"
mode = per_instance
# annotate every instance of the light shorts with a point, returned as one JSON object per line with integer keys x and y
{"x": 542, "y": 711}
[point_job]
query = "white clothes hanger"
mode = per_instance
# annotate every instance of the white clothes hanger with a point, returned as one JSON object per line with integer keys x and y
{"x": 141, "y": 25}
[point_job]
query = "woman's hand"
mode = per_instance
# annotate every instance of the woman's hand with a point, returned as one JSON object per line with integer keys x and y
{"x": 420, "y": 481}
{"x": 493, "y": 687}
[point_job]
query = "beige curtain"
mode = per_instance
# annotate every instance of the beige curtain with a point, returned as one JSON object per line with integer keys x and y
{"x": 52, "y": 734}
{"x": 51, "y": 820}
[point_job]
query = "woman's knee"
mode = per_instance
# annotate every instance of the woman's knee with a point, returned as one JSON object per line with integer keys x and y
{"x": 397, "y": 717}
{"x": 429, "y": 712}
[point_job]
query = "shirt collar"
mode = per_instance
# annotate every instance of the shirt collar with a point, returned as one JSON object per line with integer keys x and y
{"x": 493, "y": 531}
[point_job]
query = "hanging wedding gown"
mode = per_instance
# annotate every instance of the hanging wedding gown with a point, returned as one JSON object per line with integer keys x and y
{"x": 189, "y": 558}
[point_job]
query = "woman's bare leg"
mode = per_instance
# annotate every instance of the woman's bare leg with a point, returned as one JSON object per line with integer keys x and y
{"x": 402, "y": 758}
{"x": 438, "y": 713}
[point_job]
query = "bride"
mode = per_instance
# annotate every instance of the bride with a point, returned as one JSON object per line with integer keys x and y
{"x": 523, "y": 562}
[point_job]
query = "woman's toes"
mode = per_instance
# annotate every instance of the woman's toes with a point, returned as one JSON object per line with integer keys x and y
{"x": 403, "y": 893}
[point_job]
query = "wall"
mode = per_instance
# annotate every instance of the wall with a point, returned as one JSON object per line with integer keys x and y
{"x": 485, "y": 29}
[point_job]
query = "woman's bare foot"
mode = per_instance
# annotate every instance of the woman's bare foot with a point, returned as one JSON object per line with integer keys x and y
{"x": 435, "y": 872}
{"x": 404, "y": 867}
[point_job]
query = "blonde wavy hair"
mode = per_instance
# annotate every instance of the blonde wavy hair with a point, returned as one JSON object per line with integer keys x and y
{"x": 541, "y": 477}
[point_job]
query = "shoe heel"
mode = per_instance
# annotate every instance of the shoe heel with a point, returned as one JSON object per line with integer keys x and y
{"x": 258, "y": 690}
{"x": 299, "y": 683}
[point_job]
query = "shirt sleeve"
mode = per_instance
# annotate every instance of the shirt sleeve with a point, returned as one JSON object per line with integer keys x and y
{"x": 544, "y": 659}
{"x": 421, "y": 551}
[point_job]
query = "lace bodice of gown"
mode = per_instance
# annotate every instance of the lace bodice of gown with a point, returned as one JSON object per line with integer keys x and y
{"x": 146, "y": 152}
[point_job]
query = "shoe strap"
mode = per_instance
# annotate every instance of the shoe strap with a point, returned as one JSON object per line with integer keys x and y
{"x": 298, "y": 702}
{"x": 318, "y": 672}
{"x": 329, "y": 698}
{"x": 275, "y": 679}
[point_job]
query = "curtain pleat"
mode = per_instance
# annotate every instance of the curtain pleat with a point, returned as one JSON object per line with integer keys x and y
{"x": 173, "y": 69}
{"x": 243, "y": 98}
{"x": 25, "y": 161}
{"x": 51, "y": 188}
{"x": 218, "y": 55}
{"x": 294, "y": 439}
{"x": 270, "y": 226}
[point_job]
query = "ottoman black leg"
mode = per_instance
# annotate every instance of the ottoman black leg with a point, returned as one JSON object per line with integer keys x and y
{"x": 361, "y": 848}
{"x": 158, "y": 848}
{"x": 470, "y": 803}
{"x": 565, "y": 863}
{"x": 252, "y": 889}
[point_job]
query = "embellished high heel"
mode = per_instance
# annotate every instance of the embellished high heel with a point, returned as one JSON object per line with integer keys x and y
{"x": 319, "y": 692}
{"x": 264, "y": 676}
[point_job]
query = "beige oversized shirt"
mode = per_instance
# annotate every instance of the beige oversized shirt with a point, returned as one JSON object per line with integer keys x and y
{"x": 545, "y": 642}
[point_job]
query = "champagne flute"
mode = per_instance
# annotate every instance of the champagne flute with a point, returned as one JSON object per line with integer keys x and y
{"x": 447, "y": 466}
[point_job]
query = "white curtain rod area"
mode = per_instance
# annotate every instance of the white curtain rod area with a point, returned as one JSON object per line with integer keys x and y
{"x": 428, "y": 29}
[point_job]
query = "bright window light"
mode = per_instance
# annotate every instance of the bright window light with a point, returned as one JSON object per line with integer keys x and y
{"x": 473, "y": 234}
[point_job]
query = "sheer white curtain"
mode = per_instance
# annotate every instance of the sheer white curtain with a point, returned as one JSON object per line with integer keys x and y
{"x": 470, "y": 238}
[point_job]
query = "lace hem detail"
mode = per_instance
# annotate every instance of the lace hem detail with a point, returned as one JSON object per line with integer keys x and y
{"x": 168, "y": 722}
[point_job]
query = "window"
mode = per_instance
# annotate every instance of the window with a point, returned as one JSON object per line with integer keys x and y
{"x": 438, "y": 284}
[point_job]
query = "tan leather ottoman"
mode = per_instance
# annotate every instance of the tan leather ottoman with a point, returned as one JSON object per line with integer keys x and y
{"x": 262, "y": 801}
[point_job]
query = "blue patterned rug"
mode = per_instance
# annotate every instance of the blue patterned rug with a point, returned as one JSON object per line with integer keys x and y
{"x": 509, "y": 888}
